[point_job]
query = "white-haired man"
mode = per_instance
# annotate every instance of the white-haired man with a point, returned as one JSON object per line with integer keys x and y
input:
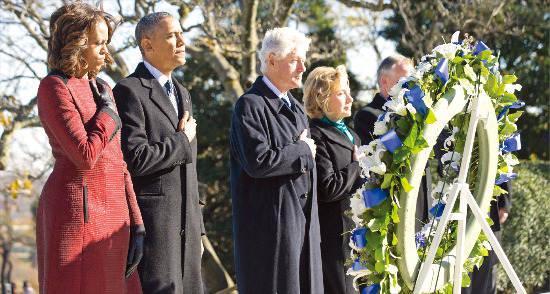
{"x": 273, "y": 177}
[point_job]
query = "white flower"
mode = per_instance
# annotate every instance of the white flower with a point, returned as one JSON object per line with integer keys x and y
{"x": 454, "y": 38}
{"x": 397, "y": 105}
{"x": 357, "y": 204}
{"x": 511, "y": 88}
{"x": 370, "y": 158}
{"x": 411, "y": 108}
{"x": 510, "y": 160}
{"x": 380, "y": 128}
{"x": 358, "y": 274}
{"x": 392, "y": 269}
{"x": 487, "y": 245}
{"x": 420, "y": 70}
{"x": 447, "y": 50}
{"x": 451, "y": 138}
{"x": 453, "y": 157}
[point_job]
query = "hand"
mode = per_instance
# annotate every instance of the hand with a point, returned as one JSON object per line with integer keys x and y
{"x": 135, "y": 253}
{"x": 502, "y": 215}
{"x": 309, "y": 141}
{"x": 355, "y": 157}
{"x": 102, "y": 97}
{"x": 188, "y": 125}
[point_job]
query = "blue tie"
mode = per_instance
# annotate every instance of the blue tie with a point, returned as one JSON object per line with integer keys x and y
{"x": 286, "y": 101}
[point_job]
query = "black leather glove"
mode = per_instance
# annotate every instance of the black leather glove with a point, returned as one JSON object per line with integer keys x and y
{"x": 102, "y": 96}
{"x": 135, "y": 250}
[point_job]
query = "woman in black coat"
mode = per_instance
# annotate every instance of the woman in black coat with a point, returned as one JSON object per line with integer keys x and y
{"x": 327, "y": 101}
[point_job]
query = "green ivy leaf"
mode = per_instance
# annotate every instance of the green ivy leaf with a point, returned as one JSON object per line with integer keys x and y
{"x": 514, "y": 116}
{"x": 509, "y": 129}
{"x": 399, "y": 155}
{"x": 497, "y": 191}
{"x": 394, "y": 240}
{"x": 491, "y": 84}
{"x": 378, "y": 255}
{"x": 405, "y": 184}
{"x": 403, "y": 125}
{"x": 465, "y": 277}
{"x": 394, "y": 214}
{"x": 509, "y": 79}
{"x": 411, "y": 137}
{"x": 484, "y": 54}
{"x": 420, "y": 144}
{"x": 457, "y": 59}
{"x": 430, "y": 117}
{"x": 508, "y": 98}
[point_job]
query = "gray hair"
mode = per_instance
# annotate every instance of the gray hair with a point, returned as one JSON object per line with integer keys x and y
{"x": 147, "y": 25}
{"x": 388, "y": 64}
{"x": 280, "y": 42}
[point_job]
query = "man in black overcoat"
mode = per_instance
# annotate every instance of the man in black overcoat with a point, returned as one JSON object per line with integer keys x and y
{"x": 273, "y": 177}
{"x": 159, "y": 146}
{"x": 391, "y": 69}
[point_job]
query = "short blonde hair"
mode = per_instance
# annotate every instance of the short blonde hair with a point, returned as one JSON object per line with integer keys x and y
{"x": 320, "y": 83}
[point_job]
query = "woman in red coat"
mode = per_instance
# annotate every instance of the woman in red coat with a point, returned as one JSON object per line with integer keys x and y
{"x": 89, "y": 230}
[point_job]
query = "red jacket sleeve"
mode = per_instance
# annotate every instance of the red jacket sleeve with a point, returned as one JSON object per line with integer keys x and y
{"x": 59, "y": 113}
{"x": 133, "y": 208}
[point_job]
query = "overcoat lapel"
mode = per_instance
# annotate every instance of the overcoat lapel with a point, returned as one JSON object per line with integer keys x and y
{"x": 157, "y": 94}
{"x": 276, "y": 103}
{"x": 336, "y": 136}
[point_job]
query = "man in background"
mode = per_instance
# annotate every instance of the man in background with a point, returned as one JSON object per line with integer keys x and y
{"x": 388, "y": 74}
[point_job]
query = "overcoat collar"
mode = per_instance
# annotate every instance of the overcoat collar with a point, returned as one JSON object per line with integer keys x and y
{"x": 378, "y": 101}
{"x": 333, "y": 134}
{"x": 157, "y": 93}
{"x": 275, "y": 102}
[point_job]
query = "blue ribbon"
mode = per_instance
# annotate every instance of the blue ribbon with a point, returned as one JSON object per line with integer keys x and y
{"x": 480, "y": 47}
{"x": 442, "y": 70}
{"x": 374, "y": 197}
{"x": 358, "y": 265}
{"x": 390, "y": 140}
{"x": 511, "y": 144}
{"x": 514, "y": 105}
{"x": 439, "y": 207}
{"x": 505, "y": 178}
{"x": 381, "y": 118}
{"x": 372, "y": 289}
{"x": 414, "y": 95}
{"x": 359, "y": 237}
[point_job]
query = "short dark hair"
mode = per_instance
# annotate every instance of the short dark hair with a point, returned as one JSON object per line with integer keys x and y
{"x": 69, "y": 28}
{"x": 147, "y": 25}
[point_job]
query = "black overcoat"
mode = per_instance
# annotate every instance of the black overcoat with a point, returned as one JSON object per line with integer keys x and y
{"x": 162, "y": 163}
{"x": 273, "y": 188}
{"x": 363, "y": 124}
{"x": 338, "y": 177}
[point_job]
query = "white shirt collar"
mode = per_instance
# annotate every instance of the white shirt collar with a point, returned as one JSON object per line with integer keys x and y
{"x": 160, "y": 77}
{"x": 273, "y": 88}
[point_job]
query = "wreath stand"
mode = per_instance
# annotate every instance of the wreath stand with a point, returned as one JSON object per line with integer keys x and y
{"x": 466, "y": 200}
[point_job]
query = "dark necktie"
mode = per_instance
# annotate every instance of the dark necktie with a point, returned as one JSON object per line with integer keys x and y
{"x": 170, "y": 92}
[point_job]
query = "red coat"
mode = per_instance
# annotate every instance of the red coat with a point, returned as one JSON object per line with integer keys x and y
{"x": 88, "y": 204}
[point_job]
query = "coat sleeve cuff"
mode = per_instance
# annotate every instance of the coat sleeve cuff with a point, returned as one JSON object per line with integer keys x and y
{"x": 137, "y": 230}
{"x": 118, "y": 123}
